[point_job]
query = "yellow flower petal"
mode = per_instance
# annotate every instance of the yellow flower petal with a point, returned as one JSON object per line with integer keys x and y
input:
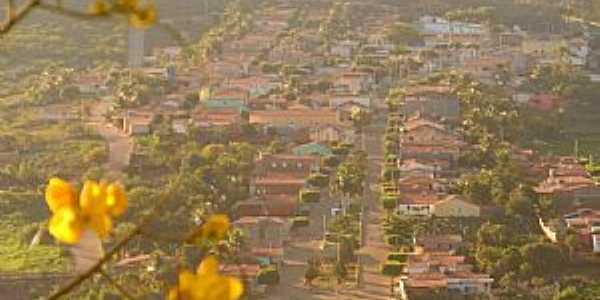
{"x": 210, "y": 287}
{"x": 208, "y": 266}
{"x": 59, "y": 194}
{"x": 143, "y": 17}
{"x": 219, "y": 287}
{"x": 236, "y": 288}
{"x": 93, "y": 198}
{"x": 128, "y": 5}
{"x": 116, "y": 199}
{"x": 216, "y": 227}
{"x": 207, "y": 285}
{"x": 184, "y": 287}
{"x": 99, "y": 8}
{"x": 66, "y": 226}
{"x": 100, "y": 223}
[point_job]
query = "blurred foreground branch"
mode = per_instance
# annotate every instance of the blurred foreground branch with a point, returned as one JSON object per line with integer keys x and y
{"x": 15, "y": 14}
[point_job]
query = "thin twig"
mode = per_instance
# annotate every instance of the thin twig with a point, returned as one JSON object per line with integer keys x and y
{"x": 109, "y": 255}
{"x": 15, "y": 15}
{"x": 116, "y": 285}
{"x": 81, "y": 278}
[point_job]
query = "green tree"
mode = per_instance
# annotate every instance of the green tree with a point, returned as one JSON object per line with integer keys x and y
{"x": 543, "y": 259}
{"x": 350, "y": 178}
{"x": 569, "y": 293}
{"x": 402, "y": 34}
{"x": 340, "y": 272}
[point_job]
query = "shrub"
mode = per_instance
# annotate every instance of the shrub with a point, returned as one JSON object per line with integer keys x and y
{"x": 268, "y": 276}
{"x": 318, "y": 180}
{"x": 392, "y": 268}
{"x": 397, "y": 256}
{"x": 389, "y": 202}
{"x": 309, "y": 196}
{"x": 298, "y": 222}
{"x": 395, "y": 240}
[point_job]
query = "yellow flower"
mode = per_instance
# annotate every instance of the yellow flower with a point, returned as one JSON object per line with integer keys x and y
{"x": 128, "y": 5}
{"x": 99, "y": 8}
{"x": 60, "y": 193}
{"x": 97, "y": 203}
{"x": 93, "y": 198}
{"x": 66, "y": 225}
{"x": 206, "y": 284}
{"x": 116, "y": 199}
{"x": 216, "y": 227}
{"x": 143, "y": 17}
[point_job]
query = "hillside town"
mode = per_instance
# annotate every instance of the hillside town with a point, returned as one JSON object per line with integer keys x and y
{"x": 360, "y": 150}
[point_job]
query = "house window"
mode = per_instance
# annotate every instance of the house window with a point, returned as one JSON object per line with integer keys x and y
{"x": 299, "y": 165}
{"x": 274, "y": 165}
{"x": 284, "y": 164}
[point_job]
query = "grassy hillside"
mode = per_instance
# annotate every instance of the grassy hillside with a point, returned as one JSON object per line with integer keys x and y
{"x": 46, "y": 37}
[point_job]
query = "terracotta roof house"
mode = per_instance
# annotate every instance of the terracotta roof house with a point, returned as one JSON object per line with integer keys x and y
{"x": 455, "y": 206}
{"x": 301, "y": 166}
{"x": 586, "y": 224}
{"x": 438, "y": 243}
{"x": 427, "y": 204}
{"x": 332, "y": 133}
{"x": 268, "y": 205}
{"x": 256, "y": 86}
{"x": 299, "y": 118}
{"x": 433, "y": 271}
{"x": 570, "y": 186}
{"x": 441, "y": 152}
{"x": 421, "y": 184}
{"x": 416, "y": 168}
{"x": 426, "y": 132}
{"x": 217, "y": 118}
{"x": 276, "y": 184}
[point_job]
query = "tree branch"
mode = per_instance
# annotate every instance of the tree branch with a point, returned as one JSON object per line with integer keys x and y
{"x": 15, "y": 14}
{"x": 109, "y": 255}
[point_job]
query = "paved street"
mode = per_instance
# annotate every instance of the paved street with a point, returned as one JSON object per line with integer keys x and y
{"x": 120, "y": 145}
{"x": 306, "y": 243}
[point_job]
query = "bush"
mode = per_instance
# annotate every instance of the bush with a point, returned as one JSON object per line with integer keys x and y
{"x": 395, "y": 240}
{"x": 397, "y": 257}
{"x": 318, "y": 180}
{"x": 298, "y": 222}
{"x": 341, "y": 151}
{"x": 389, "y": 202}
{"x": 390, "y": 172}
{"x": 309, "y": 196}
{"x": 268, "y": 276}
{"x": 392, "y": 268}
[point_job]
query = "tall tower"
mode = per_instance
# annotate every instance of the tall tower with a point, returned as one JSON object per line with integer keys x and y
{"x": 136, "y": 47}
